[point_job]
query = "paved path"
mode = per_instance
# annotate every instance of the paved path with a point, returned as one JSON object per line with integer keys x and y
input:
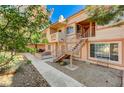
{"x": 123, "y": 79}
{"x": 53, "y": 76}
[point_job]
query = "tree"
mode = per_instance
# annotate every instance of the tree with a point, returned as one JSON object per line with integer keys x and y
{"x": 103, "y": 14}
{"x": 18, "y": 24}
{"x": 36, "y": 38}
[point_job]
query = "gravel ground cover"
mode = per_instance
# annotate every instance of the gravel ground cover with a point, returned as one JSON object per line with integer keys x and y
{"x": 28, "y": 76}
{"x": 22, "y": 74}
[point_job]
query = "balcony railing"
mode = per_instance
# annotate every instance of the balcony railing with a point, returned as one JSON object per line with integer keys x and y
{"x": 57, "y": 37}
{"x": 53, "y": 37}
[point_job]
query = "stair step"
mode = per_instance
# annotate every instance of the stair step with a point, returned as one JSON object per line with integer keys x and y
{"x": 68, "y": 53}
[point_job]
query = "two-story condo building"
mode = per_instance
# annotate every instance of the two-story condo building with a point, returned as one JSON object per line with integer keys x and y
{"x": 103, "y": 45}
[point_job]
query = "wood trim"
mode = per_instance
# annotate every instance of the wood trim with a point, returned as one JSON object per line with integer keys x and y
{"x": 76, "y": 14}
{"x": 106, "y": 27}
{"x": 108, "y": 40}
{"x": 103, "y": 28}
{"x": 71, "y": 23}
{"x": 121, "y": 54}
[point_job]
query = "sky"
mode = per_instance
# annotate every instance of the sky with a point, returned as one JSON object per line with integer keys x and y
{"x": 65, "y": 10}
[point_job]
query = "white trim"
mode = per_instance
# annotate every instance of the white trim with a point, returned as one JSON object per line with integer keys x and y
{"x": 108, "y": 61}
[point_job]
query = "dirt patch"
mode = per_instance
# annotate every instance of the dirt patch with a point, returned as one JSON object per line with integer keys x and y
{"x": 28, "y": 76}
{"x": 25, "y": 76}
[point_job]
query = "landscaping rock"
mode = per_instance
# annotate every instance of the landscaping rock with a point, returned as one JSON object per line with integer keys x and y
{"x": 28, "y": 77}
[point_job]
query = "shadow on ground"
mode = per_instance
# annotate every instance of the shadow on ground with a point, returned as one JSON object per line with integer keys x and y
{"x": 93, "y": 75}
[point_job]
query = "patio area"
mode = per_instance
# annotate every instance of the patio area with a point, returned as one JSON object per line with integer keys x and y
{"x": 92, "y": 75}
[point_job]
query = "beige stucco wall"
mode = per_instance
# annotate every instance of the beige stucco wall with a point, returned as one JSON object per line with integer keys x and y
{"x": 109, "y": 33}
{"x": 123, "y": 52}
{"x": 62, "y": 34}
{"x": 59, "y": 35}
{"x": 84, "y": 52}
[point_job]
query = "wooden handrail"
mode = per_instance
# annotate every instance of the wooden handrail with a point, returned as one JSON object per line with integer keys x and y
{"x": 79, "y": 35}
{"x": 75, "y": 47}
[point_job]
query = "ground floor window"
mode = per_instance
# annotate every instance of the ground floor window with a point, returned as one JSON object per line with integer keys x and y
{"x": 104, "y": 51}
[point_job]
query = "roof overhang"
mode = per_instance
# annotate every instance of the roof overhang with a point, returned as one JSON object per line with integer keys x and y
{"x": 58, "y": 25}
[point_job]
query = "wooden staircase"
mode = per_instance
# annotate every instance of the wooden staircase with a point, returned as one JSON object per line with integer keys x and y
{"x": 67, "y": 54}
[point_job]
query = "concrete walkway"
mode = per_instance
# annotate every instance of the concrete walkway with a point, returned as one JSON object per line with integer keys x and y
{"x": 53, "y": 76}
{"x": 123, "y": 79}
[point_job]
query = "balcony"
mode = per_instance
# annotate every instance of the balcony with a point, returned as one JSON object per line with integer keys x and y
{"x": 57, "y": 37}
{"x": 85, "y": 29}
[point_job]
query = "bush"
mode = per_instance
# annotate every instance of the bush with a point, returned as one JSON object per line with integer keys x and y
{"x": 3, "y": 58}
{"x": 63, "y": 63}
{"x": 29, "y": 62}
{"x": 30, "y": 50}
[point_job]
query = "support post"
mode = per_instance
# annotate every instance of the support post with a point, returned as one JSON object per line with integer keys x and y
{"x": 90, "y": 32}
{"x": 58, "y": 52}
{"x": 71, "y": 60}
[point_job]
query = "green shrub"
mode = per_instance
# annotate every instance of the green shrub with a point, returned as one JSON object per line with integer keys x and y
{"x": 30, "y": 50}
{"x": 3, "y": 58}
{"x": 29, "y": 62}
{"x": 63, "y": 63}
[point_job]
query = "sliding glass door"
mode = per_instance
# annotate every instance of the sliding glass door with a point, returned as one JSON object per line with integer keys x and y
{"x": 104, "y": 51}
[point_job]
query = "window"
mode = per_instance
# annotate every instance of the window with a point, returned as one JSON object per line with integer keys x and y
{"x": 70, "y": 30}
{"x": 92, "y": 50}
{"x": 114, "y": 52}
{"x": 104, "y": 51}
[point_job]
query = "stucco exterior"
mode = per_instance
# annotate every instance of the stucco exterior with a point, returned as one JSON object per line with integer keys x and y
{"x": 103, "y": 34}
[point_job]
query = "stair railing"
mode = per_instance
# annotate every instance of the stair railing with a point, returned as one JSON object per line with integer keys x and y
{"x": 75, "y": 47}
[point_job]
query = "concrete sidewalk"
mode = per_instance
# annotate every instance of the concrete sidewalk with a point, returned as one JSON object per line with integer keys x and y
{"x": 53, "y": 76}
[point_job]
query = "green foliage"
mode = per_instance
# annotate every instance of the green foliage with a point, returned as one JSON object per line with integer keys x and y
{"x": 29, "y": 62}
{"x": 31, "y": 50}
{"x": 27, "y": 49}
{"x": 20, "y": 26}
{"x": 3, "y": 58}
{"x": 105, "y": 14}
{"x": 45, "y": 41}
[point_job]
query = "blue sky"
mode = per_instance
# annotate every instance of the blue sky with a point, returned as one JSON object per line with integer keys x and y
{"x": 65, "y": 10}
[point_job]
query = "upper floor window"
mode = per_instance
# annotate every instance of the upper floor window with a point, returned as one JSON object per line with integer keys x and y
{"x": 70, "y": 29}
